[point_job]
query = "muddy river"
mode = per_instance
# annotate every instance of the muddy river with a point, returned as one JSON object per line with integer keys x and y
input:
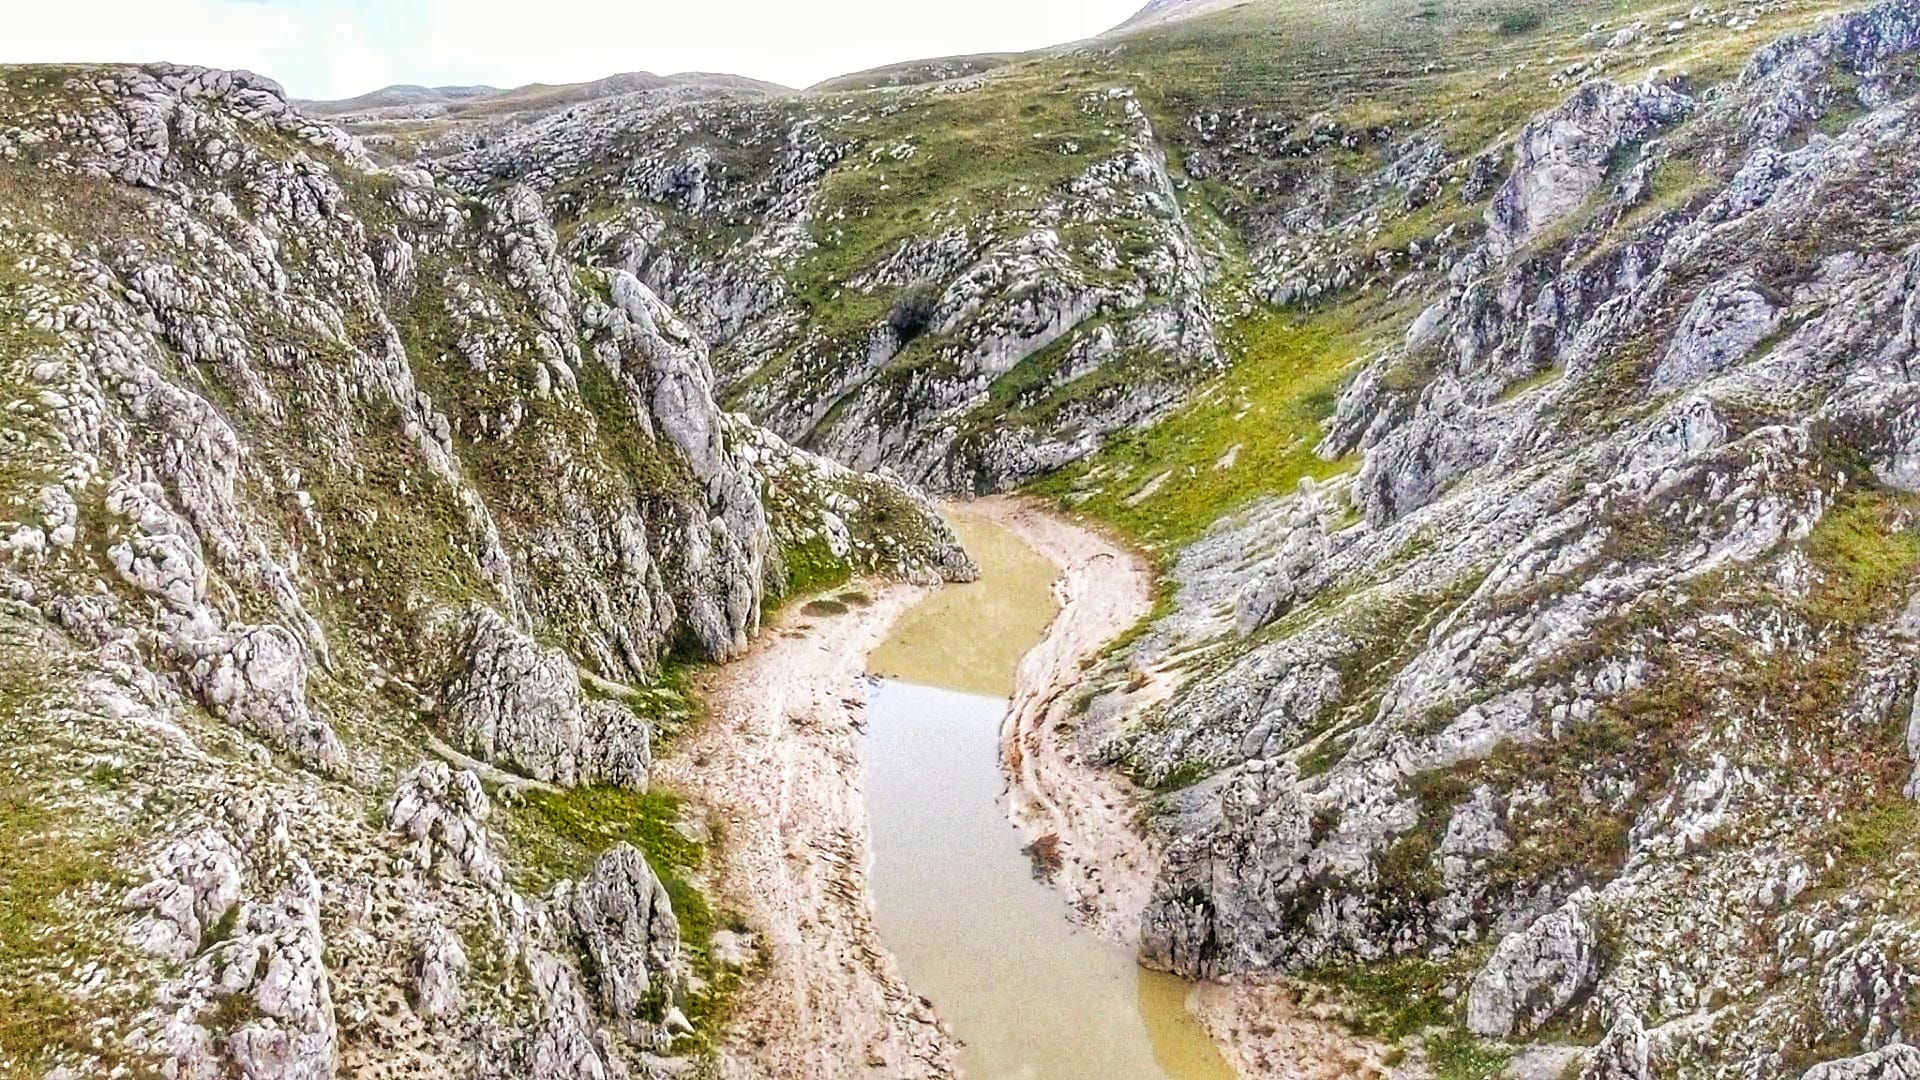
{"x": 1031, "y": 995}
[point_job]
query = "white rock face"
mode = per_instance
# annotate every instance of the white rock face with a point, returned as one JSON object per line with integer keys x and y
{"x": 520, "y": 706}
{"x": 1890, "y": 1063}
{"x": 1562, "y": 156}
{"x": 1725, "y": 323}
{"x": 443, "y": 815}
{"x": 196, "y": 883}
{"x": 268, "y": 970}
{"x": 1623, "y": 1055}
{"x": 439, "y": 971}
{"x": 1535, "y": 973}
{"x": 626, "y": 926}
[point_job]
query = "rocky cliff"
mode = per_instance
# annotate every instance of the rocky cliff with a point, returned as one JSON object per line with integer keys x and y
{"x": 1574, "y": 684}
{"x": 970, "y": 282}
{"x": 351, "y": 538}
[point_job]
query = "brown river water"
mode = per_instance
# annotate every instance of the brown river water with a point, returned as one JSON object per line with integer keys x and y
{"x": 1031, "y": 995}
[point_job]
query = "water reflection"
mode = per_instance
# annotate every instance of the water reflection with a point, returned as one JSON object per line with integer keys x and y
{"x": 1033, "y": 996}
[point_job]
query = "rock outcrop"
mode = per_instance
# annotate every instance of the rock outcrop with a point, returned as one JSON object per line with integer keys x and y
{"x": 1891, "y": 1063}
{"x": 626, "y": 928}
{"x": 310, "y": 470}
{"x": 522, "y": 707}
{"x": 1535, "y": 973}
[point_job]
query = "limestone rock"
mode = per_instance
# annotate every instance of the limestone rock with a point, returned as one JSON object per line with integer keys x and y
{"x": 1622, "y": 1055}
{"x": 443, "y": 815}
{"x": 438, "y": 971}
{"x": 626, "y": 928}
{"x": 1890, "y": 1063}
{"x": 1535, "y": 973}
{"x": 196, "y": 883}
{"x": 1562, "y": 156}
{"x": 518, "y": 705}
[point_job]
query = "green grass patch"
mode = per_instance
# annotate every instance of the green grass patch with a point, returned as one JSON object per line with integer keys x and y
{"x": 1249, "y": 434}
{"x": 1867, "y": 549}
{"x": 53, "y": 866}
{"x": 558, "y": 835}
{"x": 1871, "y": 838}
{"x": 813, "y": 568}
{"x": 1453, "y": 1054}
{"x": 1532, "y": 382}
{"x": 1396, "y": 1000}
{"x": 1392, "y": 999}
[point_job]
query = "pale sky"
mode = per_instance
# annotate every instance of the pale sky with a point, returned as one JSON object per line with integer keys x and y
{"x": 341, "y": 48}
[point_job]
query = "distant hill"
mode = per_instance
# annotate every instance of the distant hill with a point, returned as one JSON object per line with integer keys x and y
{"x": 1161, "y": 11}
{"x": 418, "y": 102}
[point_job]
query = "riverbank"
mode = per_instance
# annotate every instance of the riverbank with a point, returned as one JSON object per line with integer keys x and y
{"x": 1076, "y": 812}
{"x": 777, "y": 764}
{"x": 1085, "y": 817}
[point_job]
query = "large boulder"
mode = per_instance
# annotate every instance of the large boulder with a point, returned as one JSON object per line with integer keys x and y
{"x": 520, "y": 706}
{"x": 1562, "y": 157}
{"x": 626, "y": 930}
{"x": 1536, "y": 972}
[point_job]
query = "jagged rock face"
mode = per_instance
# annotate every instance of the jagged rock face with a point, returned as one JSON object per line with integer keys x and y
{"x": 1535, "y": 973}
{"x": 1578, "y": 688}
{"x": 1622, "y": 1055}
{"x": 728, "y": 209}
{"x": 522, "y": 707}
{"x": 267, "y": 967}
{"x": 625, "y": 924}
{"x": 1561, "y": 158}
{"x": 1891, "y": 1063}
{"x": 300, "y": 461}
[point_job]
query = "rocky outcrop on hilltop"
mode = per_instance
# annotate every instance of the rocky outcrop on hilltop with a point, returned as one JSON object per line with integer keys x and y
{"x": 767, "y": 225}
{"x": 348, "y": 529}
{"x": 1586, "y": 698}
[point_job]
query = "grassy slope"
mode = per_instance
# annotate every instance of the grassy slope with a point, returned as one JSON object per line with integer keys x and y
{"x": 1466, "y": 74}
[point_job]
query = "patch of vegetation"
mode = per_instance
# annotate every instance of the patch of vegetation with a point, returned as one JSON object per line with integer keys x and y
{"x": 1395, "y": 1001}
{"x": 1182, "y": 776}
{"x": 1517, "y": 21}
{"x": 1454, "y": 1054}
{"x": 1867, "y": 549}
{"x": 1322, "y": 758}
{"x": 813, "y": 568}
{"x": 1392, "y": 999}
{"x": 1249, "y": 434}
{"x": 54, "y": 865}
{"x": 1871, "y": 838}
{"x": 558, "y": 835}
{"x": 1532, "y": 382}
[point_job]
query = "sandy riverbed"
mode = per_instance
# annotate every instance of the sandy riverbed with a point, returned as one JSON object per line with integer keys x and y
{"x": 778, "y": 764}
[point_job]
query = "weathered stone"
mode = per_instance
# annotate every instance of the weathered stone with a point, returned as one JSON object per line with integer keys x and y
{"x": 626, "y": 929}
{"x": 1889, "y": 1063}
{"x": 1535, "y": 973}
